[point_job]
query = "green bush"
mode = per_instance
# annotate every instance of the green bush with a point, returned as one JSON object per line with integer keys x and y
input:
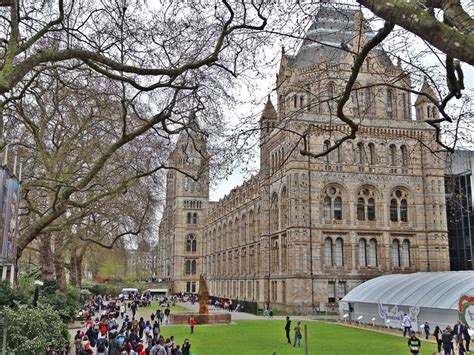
{"x": 32, "y": 330}
{"x": 66, "y": 307}
{"x": 9, "y": 297}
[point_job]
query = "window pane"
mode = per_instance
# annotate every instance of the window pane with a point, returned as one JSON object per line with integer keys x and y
{"x": 339, "y": 252}
{"x": 341, "y": 290}
{"x": 327, "y": 208}
{"x": 368, "y": 100}
{"x": 328, "y": 252}
{"x": 331, "y": 292}
{"x": 362, "y": 253}
{"x": 393, "y": 155}
{"x": 395, "y": 253}
{"x": 406, "y": 253}
{"x": 373, "y": 253}
{"x": 371, "y": 209}
{"x": 361, "y": 209}
{"x": 393, "y": 210}
{"x": 338, "y": 208}
{"x": 404, "y": 211}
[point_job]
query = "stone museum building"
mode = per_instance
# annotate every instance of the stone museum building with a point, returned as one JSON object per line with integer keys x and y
{"x": 304, "y": 231}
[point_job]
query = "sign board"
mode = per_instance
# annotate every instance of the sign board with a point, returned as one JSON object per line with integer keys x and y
{"x": 395, "y": 316}
{"x": 466, "y": 310}
{"x": 9, "y": 206}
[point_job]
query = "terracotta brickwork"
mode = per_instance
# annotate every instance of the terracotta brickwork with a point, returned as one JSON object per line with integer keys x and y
{"x": 303, "y": 232}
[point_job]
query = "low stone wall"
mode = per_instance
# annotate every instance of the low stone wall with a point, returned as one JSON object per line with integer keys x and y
{"x": 213, "y": 318}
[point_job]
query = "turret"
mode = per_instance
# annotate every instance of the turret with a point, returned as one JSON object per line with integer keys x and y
{"x": 425, "y": 108}
{"x": 268, "y": 121}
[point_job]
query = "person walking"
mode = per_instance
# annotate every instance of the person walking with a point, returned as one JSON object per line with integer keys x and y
{"x": 406, "y": 323}
{"x": 426, "y": 328}
{"x": 414, "y": 343}
{"x": 437, "y": 334}
{"x": 297, "y": 334}
{"x": 466, "y": 336}
{"x": 447, "y": 339}
{"x": 287, "y": 329}
{"x": 192, "y": 324}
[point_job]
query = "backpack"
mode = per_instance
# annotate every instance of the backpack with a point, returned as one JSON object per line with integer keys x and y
{"x": 446, "y": 337}
{"x": 101, "y": 346}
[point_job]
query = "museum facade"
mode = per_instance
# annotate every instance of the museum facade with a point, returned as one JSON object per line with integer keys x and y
{"x": 304, "y": 231}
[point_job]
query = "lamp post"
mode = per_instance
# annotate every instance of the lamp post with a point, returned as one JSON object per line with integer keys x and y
{"x": 38, "y": 285}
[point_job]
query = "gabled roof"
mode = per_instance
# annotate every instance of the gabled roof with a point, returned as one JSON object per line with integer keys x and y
{"x": 333, "y": 26}
{"x": 423, "y": 289}
{"x": 427, "y": 89}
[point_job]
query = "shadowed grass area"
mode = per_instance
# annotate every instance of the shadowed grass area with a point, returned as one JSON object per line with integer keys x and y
{"x": 268, "y": 337}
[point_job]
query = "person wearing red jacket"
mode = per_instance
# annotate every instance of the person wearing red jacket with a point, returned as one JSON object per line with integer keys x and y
{"x": 192, "y": 324}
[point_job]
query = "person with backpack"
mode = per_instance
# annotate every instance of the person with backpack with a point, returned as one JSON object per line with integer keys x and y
{"x": 167, "y": 315}
{"x": 447, "y": 339}
{"x": 102, "y": 345}
{"x": 115, "y": 345}
{"x": 141, "y": 327}
{"x": 297, "y": 335}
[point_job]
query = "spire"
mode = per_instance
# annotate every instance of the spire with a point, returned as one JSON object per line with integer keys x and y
{"x": 425, "y": 89}
{"x": 269, "y": 111}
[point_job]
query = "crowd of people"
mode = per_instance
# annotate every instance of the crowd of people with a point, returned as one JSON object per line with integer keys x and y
{"x": 449, "y": 340}
{"x": 110, "y": 330}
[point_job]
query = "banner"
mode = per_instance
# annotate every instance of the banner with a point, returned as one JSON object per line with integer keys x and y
{"x": 9, "y": 207}
{"x": 395, "y": 316}
{"x": 466, "y": 310}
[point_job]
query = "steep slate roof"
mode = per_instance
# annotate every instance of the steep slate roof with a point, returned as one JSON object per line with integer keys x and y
{"x": 423, "y": 289}
{"x": 333, "y": 26}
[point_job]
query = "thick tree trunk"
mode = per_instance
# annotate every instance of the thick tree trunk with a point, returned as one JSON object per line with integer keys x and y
{"x": 73, "y": 268}
{"x": 79, "y": 259}
{"x": 46, "y": 258}
{"x": 59, "y": 262}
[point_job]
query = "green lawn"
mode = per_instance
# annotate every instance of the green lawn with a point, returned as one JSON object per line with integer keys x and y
{"x": 145, "y": 312}
{"x": 268, "y": 337}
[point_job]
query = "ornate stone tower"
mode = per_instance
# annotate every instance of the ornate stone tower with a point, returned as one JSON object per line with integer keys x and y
{"x": 187, "y": 198}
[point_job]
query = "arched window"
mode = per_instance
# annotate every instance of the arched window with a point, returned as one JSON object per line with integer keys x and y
{"x": 327, "y": 207}
{"x": 372, "y": 159}
{"x": 328, "y": 252}
{"x": 399, "y": 206}
{"x": 339, "y": 252}
{"x": 195, "y": 218}
{"x": 395, "y": 253}
{"x": 393, "y": 155}
{"x": 406, "y": 253}
{"x": 355, "y": 102}
{"x": 373, "y": 253}
{"x": 393, "y": 210}
{"x": 193, "y": 267}
{"x": 371, "y": 209}
{"x": 326, "y": 145}
{"x": 274, "y": 213}
{"x": 366, "y": 204}
{"x": 284, "y": 208}
{"x": 404, "y": 152}
{"x": 338, "y": 208}
{"x": 362, "y": 253}
{"x": 360, "y": 209}
{"x": 332, "y": 205}
{"x": 403, "y": 210}
{"x": 389, "y": 103}
{"x": 188, "y": 267}
{"x": 330, "y": 94}
{"x": 360, "y": 153}
{"x": 405, "y": 107}
{"x": 189, "y": 218}
{"x": 368, "y": 100}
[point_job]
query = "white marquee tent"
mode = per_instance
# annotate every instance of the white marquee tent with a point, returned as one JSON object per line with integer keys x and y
{"x": 425, "y": 296}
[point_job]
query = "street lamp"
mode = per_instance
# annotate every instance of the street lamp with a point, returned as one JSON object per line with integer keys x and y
{"x": 38, "y": 285}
